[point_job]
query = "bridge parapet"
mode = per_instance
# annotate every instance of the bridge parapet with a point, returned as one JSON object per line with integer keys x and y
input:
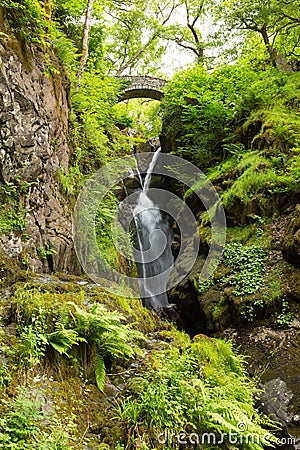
{"x": 143, "y": 86}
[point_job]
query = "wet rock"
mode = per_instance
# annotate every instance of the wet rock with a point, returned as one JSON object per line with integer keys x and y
{"x": 12, "y": 245}
{"x": 275, "y": 401}
{"x": 239, "y": 213}
{"x": 171, "y": 313}
{"x": 291, "y": 283}
{"x": 11, "y": 329}
{"x": 185, "y": 296}
{"x": 273, "y": 356}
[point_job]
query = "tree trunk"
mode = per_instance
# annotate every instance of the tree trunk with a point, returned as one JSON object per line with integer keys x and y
{"x": 272, "y": 51}
{"x": 199, "y": 50}
{"x": 85, "y": 40}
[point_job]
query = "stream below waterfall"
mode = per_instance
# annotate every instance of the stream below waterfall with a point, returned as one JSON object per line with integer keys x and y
{"x": 154, "y": 239}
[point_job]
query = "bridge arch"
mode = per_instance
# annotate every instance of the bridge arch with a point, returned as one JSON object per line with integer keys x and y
{"x": 142, "y": 87}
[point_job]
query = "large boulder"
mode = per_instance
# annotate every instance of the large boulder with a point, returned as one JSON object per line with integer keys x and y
{"x": 34, "y": 114}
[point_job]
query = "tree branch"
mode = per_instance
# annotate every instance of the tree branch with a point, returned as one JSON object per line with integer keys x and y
{"x": 188, "y": 47}
{"x": 136, "y": 55}
{"x": 293, "y": 19}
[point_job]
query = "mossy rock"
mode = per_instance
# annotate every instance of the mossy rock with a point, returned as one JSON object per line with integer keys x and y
{"x": 291, "y": 239}
{"x": 12, "y": 271}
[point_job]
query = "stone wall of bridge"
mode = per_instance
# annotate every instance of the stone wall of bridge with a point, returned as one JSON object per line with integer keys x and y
{"x": 142, "y": 87}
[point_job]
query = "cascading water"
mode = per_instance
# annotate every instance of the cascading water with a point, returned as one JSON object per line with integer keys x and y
{"x": 154, "y": 236}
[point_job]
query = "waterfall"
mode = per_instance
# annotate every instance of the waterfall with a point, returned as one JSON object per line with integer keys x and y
{"x": 154, "y": 236}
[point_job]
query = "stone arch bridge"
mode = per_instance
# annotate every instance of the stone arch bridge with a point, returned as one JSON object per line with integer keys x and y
{"x": 142, "y": 87}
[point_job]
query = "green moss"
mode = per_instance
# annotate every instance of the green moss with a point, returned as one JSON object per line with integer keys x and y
{"x": 256, "y": 174}
{"x": 258, "y": 233}
{"x": 179, "y": 339}
{"x": 273, "y": 284}
{"x": 31, "y": 301}
{"x": 224, "y": 169}
{"x": 256, "y": 177}
{"x": 280, "y": 128}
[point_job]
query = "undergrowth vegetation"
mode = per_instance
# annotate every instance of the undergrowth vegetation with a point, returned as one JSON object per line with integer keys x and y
{"x": 196, "y": 389}
{"x": 177, "y": 384}
{"x": 234, "y": 109}
{"x": 249, "y": 261}
{"x": 240, "y": 124}
{"x": 25, "y": 425}
{"x": 244, "y": 177}
{"x": 90, "y": 336}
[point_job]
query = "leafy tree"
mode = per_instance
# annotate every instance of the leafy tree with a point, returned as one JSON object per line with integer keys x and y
{"x": 127, "y": 34}
{"x": 205, "y": 104}
{"x": 276, "y": 22}
{"x": 134, "y": 33}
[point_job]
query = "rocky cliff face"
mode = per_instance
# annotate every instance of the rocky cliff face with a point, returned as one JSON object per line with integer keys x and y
{"x": 34, "y": 110}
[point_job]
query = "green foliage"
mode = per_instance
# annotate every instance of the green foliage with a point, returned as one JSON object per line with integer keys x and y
{"x": 35, "y": 338}
{"x": 12, "y": 220}
{"x": 65, "y": 50}
{"x": 256, "y": 175}
{"x": 248, "y": 267}
{"x": 231, "y": 110}
{"x": 24, "y": 426}
{"x": 12, "y": 214}
{"x": 72, "y": 180}
{"x": 143, "y": 115}
{"x": 62, "y": 339}
{"x": 32, "y": 344}
{"x": 93, "y": 100}
{"x": 5, "y": 377}
{"x": 248, "y": 311}
{"x": 204, "y": 104}
{"x": 286, "y": 316}
{"x": 32, "y": 302}
{"x": 271, "y": 23}
{"x": 45, "y": 321}
{"x": 103, "y": 229}
{"x": 95, "y": 135}
{"x": 128, "y": 49}
{"x": 27, "y": 19}
{"x": 200, "y": 389}
{"x": 257, "y": 233}
{"x": 203, "y": 286}
{"x": 45, "y": 250}
{"x": 104, "y": 330}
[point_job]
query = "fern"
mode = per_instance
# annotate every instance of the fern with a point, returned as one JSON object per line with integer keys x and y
{"x": 104, "y": 329}
{"x": 100, "y": 371}
{"x": 63, "y": 317}
{"x": 201, "y": 388}
{"x": 62, "y": 340}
